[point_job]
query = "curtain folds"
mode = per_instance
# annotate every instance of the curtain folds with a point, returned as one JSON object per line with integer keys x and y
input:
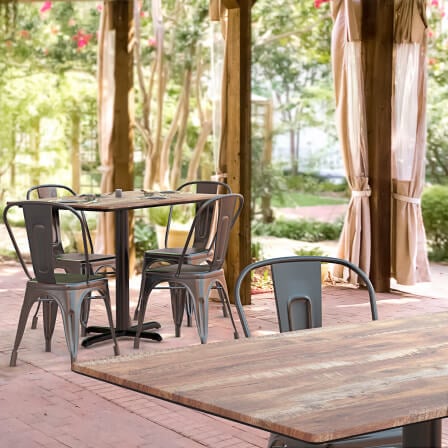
{"x": 409, "y": 263}
{"x": 354, "y": 243}
{"x": 409, "y": 258}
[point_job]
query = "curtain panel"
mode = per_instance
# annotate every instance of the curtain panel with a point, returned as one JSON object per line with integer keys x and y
{"x": 355, "y": 241}
{"x": 409, "y": 258}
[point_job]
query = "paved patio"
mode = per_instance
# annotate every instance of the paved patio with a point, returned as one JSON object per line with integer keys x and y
{"x": 44, "y": 404}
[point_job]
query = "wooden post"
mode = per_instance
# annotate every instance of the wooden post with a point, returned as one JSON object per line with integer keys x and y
{"x": 238, "y": 155}
{"x": 122, "y": 145}
{"x": 377, "y": 29}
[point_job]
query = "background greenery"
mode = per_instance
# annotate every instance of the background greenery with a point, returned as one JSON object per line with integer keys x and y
{"x": 48, "y": 55}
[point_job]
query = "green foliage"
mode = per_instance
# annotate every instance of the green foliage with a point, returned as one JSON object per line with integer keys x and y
{"x": 298, "y": 199}
{"x": 301, "y": 229}
{"x": 310, "y": 251}
{"x": 184, "y": 31}
{"x": 435, "y": 218}
{"x": 48, "y": 66}
{"x": 145, "y": 238}
{"x": 181, "y": 213}
{"x": 58, "y": 39}
{"x": 256, "y": 250}
{"x": 437, "y": 102}
{"x": 291, "y": 64}
{"x": 309, "y": 183}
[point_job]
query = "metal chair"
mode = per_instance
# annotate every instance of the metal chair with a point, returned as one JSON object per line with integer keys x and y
{"x": 73, "y": 262}
{"x": 196, "y": 280}
{"x": 297, "y": 285}
{"x": 66, "y": 290}
{"x": 199, "y": 251}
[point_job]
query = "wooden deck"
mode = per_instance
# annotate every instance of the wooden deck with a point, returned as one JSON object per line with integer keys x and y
{"x": 44, "y": 403}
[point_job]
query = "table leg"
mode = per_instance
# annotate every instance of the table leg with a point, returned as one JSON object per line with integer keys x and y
{"x": 424, "y": 434}
{"x": 122, "y": 270}
{"x": 122, "y": 319}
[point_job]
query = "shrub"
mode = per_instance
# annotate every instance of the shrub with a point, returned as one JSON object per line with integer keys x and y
{"x": 435, "y": 218}
{"x": 311, "y": 183}
{"x": 301, "y": 229}
{"x": 145, "y": 238}
{"x": 310, "y": 251}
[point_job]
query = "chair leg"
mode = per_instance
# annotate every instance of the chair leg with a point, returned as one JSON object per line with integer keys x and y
{"x": 142, "y": 284}
{"x": 106, "y": 298}
{"x": 224, "y": 287}
{"x": 202, "y": 318}
{"x": 179, "y": 297}
{"x": 35, "y": 317}
{"x": 28, "y": 302}
{"x": 144, "y": 295}
{"x": 199, "y": 299}
{"x": 226, "y": 305}
{"x": 49, "y": 311}
{"x": 71, "y": 316}
{"x": 189, "y": 310}
{"x": 85, "y": 311}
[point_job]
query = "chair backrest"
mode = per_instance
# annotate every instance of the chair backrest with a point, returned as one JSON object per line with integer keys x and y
{"x": 39, "y": 217}
{"x": 204, "y": 226}
{"x": 297, "y": 284}
{"x": 227, "y": 209}
{"x": 47, "y": 191}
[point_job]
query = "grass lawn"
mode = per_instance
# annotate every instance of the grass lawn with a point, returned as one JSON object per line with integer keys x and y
{"x": 296, "y": 199}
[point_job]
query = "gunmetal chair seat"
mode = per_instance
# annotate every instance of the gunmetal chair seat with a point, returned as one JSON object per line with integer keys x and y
{"x": 192, "y": 280}
{"x": 66, "y": 291}
{"x": 200, "y": 248}
{"x": 297, "y": 285}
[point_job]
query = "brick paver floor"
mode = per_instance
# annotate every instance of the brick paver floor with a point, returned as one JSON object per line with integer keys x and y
{"x": 44, "y": 404}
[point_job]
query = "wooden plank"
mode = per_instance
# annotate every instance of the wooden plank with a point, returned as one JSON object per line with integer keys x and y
{"x": 315, "y": 385}
{"x": 377, "y": 49}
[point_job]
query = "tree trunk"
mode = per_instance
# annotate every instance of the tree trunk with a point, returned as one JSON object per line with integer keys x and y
{"x": 182, "y": 132}
{"x": 206, "y": 129}
{"x": 75, "y": 153}
{"x": 34, "y": 147}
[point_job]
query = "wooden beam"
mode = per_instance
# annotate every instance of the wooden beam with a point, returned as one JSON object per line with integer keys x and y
{"x": 377, "y": 28}
{"x": 122, "y": 141}
{"x": 231, "y": 4}
{"x": 238, "y": 147}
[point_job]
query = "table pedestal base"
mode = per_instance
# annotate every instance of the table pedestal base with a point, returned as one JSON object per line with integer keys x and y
{"x": 105, "y": 334}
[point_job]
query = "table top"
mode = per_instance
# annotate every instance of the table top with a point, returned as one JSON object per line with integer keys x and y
{"x": 315, "y": 385}
{"x": 130, "y": 200}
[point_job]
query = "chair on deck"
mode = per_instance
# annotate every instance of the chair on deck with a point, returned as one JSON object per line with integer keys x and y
{"x": 199, "y": 251}
{"x": 196, "y": 280}
{"x": 297, "y": 285}
{"x": 73, "y": 262}
{"x": 66, "y": 290}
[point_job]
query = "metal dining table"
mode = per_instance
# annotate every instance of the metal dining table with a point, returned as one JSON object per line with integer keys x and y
{"x": 317, "y": 385}
{"x": 120, "y": 206}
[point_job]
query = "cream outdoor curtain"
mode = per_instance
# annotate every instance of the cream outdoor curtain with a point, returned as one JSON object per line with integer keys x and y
{"x": 219, "y": 13}
{"x": 106, "y": 93}
{"x": 409, "y": 257}
{"x": 354, "y": 243}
